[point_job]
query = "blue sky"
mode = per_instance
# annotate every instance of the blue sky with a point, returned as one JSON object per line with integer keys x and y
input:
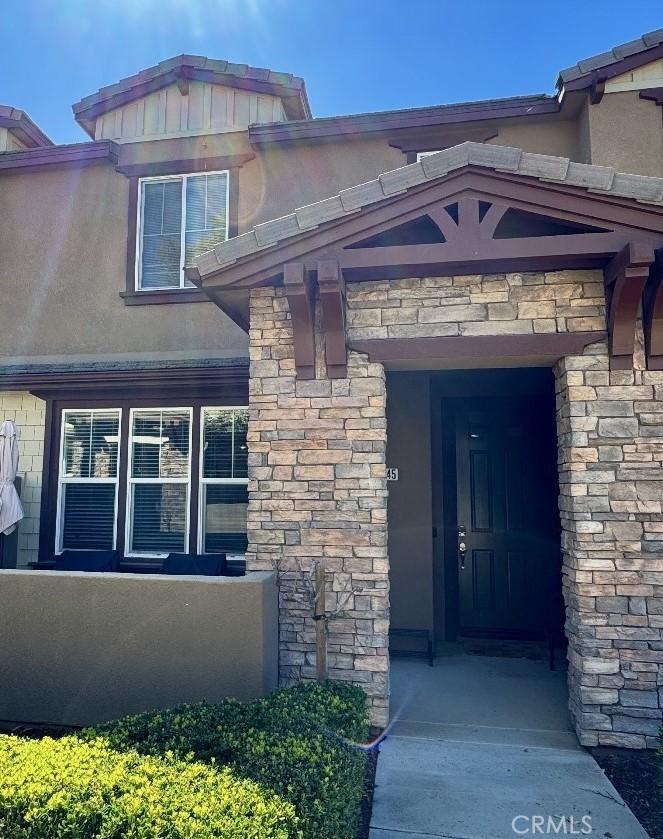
{"x": 356, "y": 55}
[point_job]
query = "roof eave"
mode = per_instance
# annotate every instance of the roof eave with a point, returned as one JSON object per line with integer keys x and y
{"x": 569, "y": 80}
{"x": 27, "y": 131}
{"x": 387, "y": 122}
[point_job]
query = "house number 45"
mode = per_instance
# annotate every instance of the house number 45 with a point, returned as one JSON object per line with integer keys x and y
{"x": 392, "y": 473}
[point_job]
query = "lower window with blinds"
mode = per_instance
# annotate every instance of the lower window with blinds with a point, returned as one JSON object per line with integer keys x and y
{"x": 223, "y": 480}
{"x": 158, "y": 481}
{"x": 157, "y": 487}
{"x": 88, "y": 478}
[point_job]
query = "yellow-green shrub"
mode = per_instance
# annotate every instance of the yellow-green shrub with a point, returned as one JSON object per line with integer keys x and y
{"x": 295, "y": 742}
{"x": 71, "y": 789}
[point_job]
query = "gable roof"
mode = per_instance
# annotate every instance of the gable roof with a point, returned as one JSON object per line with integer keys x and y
{"x": 23, "y": 128}
{"x": 194, "y": 67}
{"x": 618, "y": 60}
{"x": 601, "y": 179}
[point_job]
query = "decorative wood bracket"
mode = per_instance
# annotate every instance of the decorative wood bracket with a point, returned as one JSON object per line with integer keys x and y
{"x": 625, "y": 278}
{"x": 470, "y": 227}
{"x": 332, "y": 300}
{"x": 597, "y": 90}
{"x": 182, "y": 83}
{"x": 653, "y": 315}
{"x": 655, "y": 94}
{"x": 300, "y": 301}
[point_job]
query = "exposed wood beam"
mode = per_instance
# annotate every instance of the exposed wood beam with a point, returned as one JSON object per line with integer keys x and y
{"x": 653, "y": 315}
{"x": 543, "y": 346}
{"x": 500, "y": 254}
{"x": 625, "y": 278}
{"x": 332, "y": 301}
{"x": 493, "y": 217}
{"x": 298, "y": 292}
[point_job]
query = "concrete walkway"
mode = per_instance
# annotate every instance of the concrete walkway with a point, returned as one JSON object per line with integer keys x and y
{"x": 477, "y": 742}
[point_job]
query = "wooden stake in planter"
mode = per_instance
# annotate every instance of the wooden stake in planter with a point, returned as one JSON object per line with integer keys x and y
{"x": 320, "y": 618}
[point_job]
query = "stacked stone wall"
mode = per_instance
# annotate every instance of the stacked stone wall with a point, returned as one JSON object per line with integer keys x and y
{"x": 490, "y": 304}
{"x": 317, "y": 486}
{"x": 610, "y": 426}
{"x": 317, "y": 490}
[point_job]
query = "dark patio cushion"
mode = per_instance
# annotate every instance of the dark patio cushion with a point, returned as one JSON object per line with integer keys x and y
{"x": 209, "y": 565}
{"x": 87, "y": 561}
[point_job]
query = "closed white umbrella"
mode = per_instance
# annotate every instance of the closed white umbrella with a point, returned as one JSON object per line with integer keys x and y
{"x": 11, "y": 509}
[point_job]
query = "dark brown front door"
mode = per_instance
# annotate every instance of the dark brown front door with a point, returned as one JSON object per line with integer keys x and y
{"x": 507, "y": 519}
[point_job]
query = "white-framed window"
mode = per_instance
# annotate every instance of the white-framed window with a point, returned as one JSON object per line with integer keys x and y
{"x": 158, "y": 482}
{"x": 179, "y": 217}
{"x": 86, "y": 517}
{"x": 223, "y": 499}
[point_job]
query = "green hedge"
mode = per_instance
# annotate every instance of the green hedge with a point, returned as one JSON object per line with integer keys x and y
{"x": 68, "y": 789}
{"x": 293, "y": 742}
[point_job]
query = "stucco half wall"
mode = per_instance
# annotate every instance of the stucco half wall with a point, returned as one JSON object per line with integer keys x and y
{"x": 81, "y": 648}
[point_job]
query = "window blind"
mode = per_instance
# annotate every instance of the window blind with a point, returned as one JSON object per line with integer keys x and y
{"x": 206, "y": 223}
{"x": 161, "y": 257}
{"x": 224, "y": 479}
{"x": 159, "y": 481}
{"x": 88, "y": 480}
{"x": 180, "y": 219}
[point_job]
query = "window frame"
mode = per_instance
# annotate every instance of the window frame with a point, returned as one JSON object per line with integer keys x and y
{"x": 203, "y": 482}
{"x": 183, "y": 177}
{"x": 58, "y": 548}
{"x": 131, "y": 482}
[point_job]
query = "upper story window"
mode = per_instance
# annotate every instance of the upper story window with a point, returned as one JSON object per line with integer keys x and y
{"x": 179, "y": 217}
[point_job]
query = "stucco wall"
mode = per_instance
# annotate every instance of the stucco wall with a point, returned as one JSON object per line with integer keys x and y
{"x": 63, "y": 239}
{"x": 79, "y": 648}
{"x": 28, "y": 413}
{"x": 627, "y": 132}
{"x": 410, "y": 503}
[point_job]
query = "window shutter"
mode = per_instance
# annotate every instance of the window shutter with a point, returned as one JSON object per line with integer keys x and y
{"x": 161, "y": 255}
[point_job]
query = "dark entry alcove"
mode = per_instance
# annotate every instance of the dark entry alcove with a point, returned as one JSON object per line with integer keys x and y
{"x": 495, "y": 491}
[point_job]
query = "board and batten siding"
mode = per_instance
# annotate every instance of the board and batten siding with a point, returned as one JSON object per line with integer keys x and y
{"x": 8, "y": 142}
{"x": 206, "y": 108}
{"x": 29, "y": 414}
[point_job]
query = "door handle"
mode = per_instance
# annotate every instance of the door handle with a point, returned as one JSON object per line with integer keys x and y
{"x": 462, "y": 546}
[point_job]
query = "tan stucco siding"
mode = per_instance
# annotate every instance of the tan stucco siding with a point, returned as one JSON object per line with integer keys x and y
{"x": 63, "y": 239}
{"x": 28, "y": 413}
{"x": 627, "y": 132}
{"x": 81, "y": 648}
{"x": 555, "y": 137}
{"x": 410, "y": 503}
{"x": 283, "y": 177}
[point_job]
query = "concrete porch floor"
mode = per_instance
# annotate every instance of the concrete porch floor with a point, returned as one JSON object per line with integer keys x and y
{"x": 475, "y": 742}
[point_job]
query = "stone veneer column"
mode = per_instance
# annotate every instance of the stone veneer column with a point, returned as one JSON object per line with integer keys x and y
{"x": 610, "y": 429}
{"x": 317, "y": 489}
